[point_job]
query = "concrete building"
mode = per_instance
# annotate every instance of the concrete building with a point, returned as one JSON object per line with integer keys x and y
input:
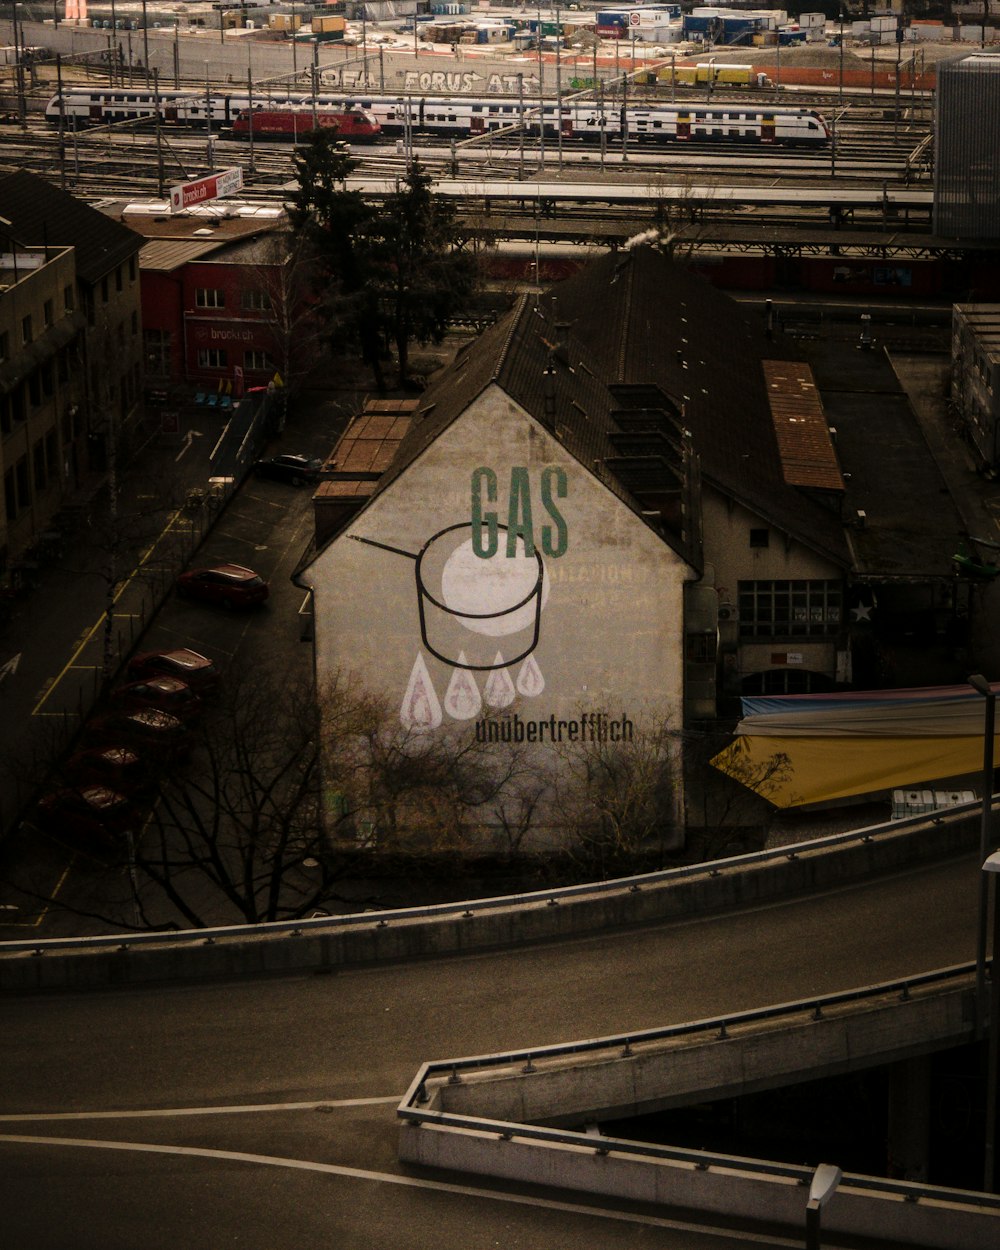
{"x": 222, "y": 298}
{"x": 967, "y": 137}
{"x": 106, "y": 293}
{"x": 593, "y": 529}
{"x": 41, "y": 381}
{"x": 975, "y": 377}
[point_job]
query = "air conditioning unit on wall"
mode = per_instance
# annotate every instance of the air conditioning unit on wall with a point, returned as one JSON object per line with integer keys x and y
{"x": 727, "y": 612}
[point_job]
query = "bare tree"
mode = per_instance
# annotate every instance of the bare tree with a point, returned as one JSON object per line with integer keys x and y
{"x": 618, "y": 800}
{"x": 281, "y": 285}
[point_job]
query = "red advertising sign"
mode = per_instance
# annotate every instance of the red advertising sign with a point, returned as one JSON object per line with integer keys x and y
{"x": 213, "y": 187}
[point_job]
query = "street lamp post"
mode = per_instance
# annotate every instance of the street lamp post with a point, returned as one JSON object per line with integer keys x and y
{"x": 825, "y": 1180}
{"x": 991, "y": 866}
{"x": 979, "y": 683}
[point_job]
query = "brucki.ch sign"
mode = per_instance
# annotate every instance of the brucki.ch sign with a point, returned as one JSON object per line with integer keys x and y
{"x": 214, "y": 187}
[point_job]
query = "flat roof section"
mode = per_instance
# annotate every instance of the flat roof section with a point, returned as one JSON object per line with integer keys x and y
{"x": 369, "y": 444}
{"x": 805, "y": 447}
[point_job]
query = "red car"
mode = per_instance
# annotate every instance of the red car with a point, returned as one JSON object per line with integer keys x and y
{"x": 117, "y": 767}
{"x": 158, "y": 734}
{"x": 93, "y": 815}
{"x": 197, "y": 670}
{"x": 166, "y": 694}
{"x": 230, "y": 585}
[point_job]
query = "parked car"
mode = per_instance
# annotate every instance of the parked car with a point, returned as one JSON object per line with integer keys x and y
{"x": 230, "y": 585}
{"x": 298, "y": 470}
{"x": 157, "y": 734}
{"x": 166, "y": 694}
{"x": 118, "y": 767}
{"x": 197, "y": 670}
{"x": 92, "y": 815}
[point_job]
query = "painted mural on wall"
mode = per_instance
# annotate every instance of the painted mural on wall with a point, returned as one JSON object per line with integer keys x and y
{"x": 518, "y": 590}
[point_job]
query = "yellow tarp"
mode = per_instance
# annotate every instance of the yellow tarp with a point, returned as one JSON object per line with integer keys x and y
{"x": 821, "y": 768}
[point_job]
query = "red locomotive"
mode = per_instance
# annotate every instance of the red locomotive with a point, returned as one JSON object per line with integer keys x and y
{"x": 292, "y": 125}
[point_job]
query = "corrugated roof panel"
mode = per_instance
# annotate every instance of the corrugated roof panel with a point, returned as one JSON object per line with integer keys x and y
{"x": 805, "y": 448}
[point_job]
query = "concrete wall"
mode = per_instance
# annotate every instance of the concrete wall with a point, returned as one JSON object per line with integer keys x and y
{"x": 723, "y": 1191}
{"x": 326, "y": 944}
{"x": 704, "y": 1067}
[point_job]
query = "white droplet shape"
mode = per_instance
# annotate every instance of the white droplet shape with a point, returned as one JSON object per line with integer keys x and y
{"x": 499, "y": 691}
{"x": 530, "y": 681}
{"x": 473, "y": 586}
{"x": 462, "y": 700}
{"x": 421, "y": 709}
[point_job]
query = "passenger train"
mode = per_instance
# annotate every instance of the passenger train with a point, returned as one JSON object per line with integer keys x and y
{"x": 463, "y": 117}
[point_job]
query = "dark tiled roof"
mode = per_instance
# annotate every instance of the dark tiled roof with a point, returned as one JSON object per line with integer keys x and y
{"x": 40, "y": 213}
{"x": 634, "y": 330}
{"x": 647, "y": 320}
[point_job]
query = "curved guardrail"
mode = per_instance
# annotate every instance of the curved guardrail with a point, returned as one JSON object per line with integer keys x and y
{"x": 469, "y": 907}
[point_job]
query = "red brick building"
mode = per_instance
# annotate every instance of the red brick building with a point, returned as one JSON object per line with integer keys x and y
{"x": 224, "y": 304}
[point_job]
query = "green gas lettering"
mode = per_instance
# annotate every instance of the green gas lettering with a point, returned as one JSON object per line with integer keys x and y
{"x": 557, "y": 546}
{"x": 484, "y": 524}
{"x": 519, "y": 514}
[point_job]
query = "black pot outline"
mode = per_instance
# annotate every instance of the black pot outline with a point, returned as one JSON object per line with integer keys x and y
{"x": 423, "y": 592}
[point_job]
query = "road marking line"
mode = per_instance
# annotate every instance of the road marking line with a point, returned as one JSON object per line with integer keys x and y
{"x": 88, "y": 635}
{"x": 240, "y": 1109}
{"x": 413, "y": 1182}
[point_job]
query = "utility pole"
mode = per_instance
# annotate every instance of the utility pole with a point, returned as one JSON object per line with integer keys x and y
{"x": 559, "y": 109}
{"x": 159, "y": 136}
{"x": 145, "y": 41}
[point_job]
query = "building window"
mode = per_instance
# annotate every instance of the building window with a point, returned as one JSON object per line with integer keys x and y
{"x": 4, "y": 345}
{"x": 759, "y": 538}
{"x": 68, "y": 301}
{"x": 792, "y": 609}
{"x": 209, "y": 297}
{"x": 26, "y": 329}
{"x": 38, "y": 461}
{"x": 157, "y": 347}
{"x": 118, "y": 278}
{"x": 257, "y": 360}
{"x": 9, "y": 495}
{"x": 131, "y": 269}
{"x": 23, "y": 485}
{"x": 255, "y": 301}
{"x": 212, "y": 358}
{"x": 47, "y": 312}
{"x": 104, "y": 289}
{"x": 52, "y": 453}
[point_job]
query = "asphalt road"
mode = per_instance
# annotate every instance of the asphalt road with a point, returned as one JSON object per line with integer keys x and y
{"x": 261, "y": 1113}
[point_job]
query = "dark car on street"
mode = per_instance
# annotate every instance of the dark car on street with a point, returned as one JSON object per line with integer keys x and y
{"x": 117, "y": 767}
{"x": 190, "y": 666}
{"x": 229, "y": 585}
{"x": 294, "y": 469}
{"x": 166, "y": 694}
{"x": 158, "y": 735}
{"x": 92, "y": 816}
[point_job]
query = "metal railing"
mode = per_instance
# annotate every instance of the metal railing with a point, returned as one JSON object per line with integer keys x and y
{"x": 467, "y": 908}
{"x": 411, "y": 1110}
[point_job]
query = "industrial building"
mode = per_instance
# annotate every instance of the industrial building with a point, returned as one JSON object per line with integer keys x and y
{"x": 966, "y": 170}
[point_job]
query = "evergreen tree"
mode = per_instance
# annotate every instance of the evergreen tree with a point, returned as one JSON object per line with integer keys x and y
{"x": 388, "y": 273}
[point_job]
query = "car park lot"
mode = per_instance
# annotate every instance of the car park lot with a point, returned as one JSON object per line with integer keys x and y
{"x": 265, "y": 526}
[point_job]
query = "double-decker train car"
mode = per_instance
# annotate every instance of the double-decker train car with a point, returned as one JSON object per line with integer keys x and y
{"x": 465, "y": 116}
{"x": 291, "y": 125}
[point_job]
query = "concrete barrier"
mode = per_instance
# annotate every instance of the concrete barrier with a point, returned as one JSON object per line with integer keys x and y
{"x": 726, "y": 1191}
{"x": 265, "y": 950}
